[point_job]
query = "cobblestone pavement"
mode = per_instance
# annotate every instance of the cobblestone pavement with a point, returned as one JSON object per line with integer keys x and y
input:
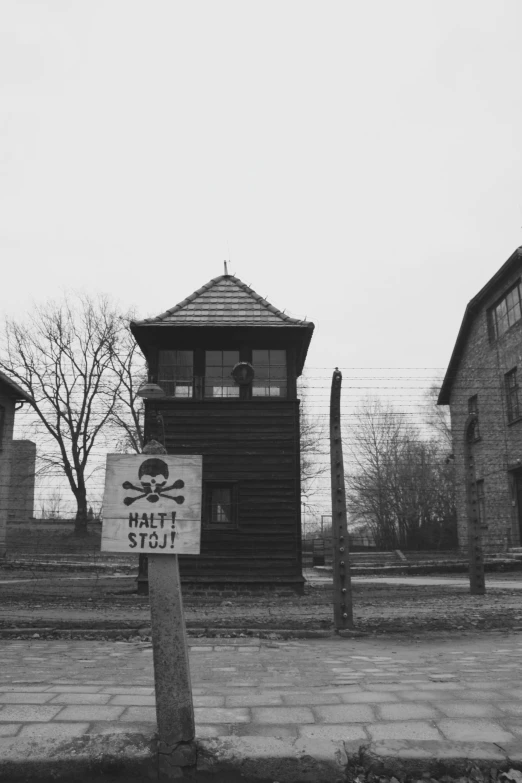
{"x": 466, "y": 690}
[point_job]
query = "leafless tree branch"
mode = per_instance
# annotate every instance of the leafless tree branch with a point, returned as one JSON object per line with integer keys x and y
{"x": 63, "y": 355}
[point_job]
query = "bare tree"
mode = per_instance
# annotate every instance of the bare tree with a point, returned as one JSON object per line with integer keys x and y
{"x": 437, "y": 416}
{"x": 402, "y": 484}
{"x": 373, "y": 445}
{"x": 52, "y": 507}
{"x": 127, "y": 415}
{"x": 64, "y": 356}
{"x": 314, "y": 448}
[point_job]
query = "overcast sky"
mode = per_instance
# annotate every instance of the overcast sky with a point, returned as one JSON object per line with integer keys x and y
{"x": 358, "y": 163}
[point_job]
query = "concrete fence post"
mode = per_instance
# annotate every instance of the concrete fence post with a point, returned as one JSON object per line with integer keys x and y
{"x": 174, "y": 708}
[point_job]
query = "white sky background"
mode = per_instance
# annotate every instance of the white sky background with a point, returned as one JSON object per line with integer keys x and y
{"x": 357, "y": 162}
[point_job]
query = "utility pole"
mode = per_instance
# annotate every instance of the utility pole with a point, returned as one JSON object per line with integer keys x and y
{"x": 342, "y": 586}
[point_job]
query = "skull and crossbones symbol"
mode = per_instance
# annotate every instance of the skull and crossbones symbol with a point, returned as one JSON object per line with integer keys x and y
{"x": 153, "y": 475}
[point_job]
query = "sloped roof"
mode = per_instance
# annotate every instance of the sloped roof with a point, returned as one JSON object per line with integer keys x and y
{"x": 224, "y": 301}
{"x": 473, "y": 307}
{"x": 15, "y": 390}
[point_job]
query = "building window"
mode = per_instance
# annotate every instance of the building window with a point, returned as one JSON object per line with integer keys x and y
{"x": 473, "y": 404}
{"x": 218, "y": 377}
{"x": 513, "y": 411}
{"x": 481, "y": 504}
{"x": 270, "y": 373}
{"x": 175, "y": 373}
{"x": 506, "y": 312}
{"x": 473, "y": 431}
{"x": 220, "y": 505}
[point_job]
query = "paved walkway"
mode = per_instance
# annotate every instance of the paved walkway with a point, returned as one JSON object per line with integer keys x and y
{"x": 316, "y": 698}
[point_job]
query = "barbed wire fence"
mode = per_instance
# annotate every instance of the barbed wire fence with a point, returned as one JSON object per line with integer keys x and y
{"x": 45, "y": 559}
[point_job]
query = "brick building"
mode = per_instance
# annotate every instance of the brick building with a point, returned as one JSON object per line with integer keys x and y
{"x": 10, "y": 395}
{"x": 23, "y": 473}
{"x": 481, "y": 386}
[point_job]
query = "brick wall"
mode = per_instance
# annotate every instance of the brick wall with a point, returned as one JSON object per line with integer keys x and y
{"x": 6, "y": 442}
{"x": 23, "y": 471}
{"x": 481, "y": 371}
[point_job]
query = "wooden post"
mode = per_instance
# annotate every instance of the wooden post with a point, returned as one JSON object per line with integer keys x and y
{"x": 477, "y": 580}
{"x": 342, "y": 586}
{"x": 174, "y": 708}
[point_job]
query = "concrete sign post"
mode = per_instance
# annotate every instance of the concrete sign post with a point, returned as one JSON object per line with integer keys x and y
{"x": 342, "y": 583}
{"x": 152, "y": 504}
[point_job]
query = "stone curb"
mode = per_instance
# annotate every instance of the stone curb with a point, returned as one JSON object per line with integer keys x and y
{"x": 286, "y": 633}
{"x": 334, "y": 761}
{"x": 67, "y": 565}
{"x": 412, "y": 758}
{"x": 131, "y": 757}
{"x": 85, "y": 758}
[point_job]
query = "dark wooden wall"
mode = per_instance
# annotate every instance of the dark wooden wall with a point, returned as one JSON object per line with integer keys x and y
{"x": 255, "y": 443}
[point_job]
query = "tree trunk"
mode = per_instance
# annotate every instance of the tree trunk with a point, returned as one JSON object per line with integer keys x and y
{"x": 80, "y": 524}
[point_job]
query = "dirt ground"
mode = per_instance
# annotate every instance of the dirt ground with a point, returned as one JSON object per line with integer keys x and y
{"x": 106, "y": 601}
{"x": 94, "y": 597}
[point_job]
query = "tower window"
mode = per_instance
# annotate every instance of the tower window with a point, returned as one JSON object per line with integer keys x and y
{"x": 270, "y": 373}
{"x": 176, "y": 373}
{"x": 218, "y": 377}
{"x": 220, "y": 505}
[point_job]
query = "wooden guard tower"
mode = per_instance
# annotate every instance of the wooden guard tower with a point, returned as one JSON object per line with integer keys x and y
{"x": 228, "y": 362}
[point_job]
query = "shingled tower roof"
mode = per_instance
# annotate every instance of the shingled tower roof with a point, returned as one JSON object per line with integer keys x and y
{"x": 224, "y": 301}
